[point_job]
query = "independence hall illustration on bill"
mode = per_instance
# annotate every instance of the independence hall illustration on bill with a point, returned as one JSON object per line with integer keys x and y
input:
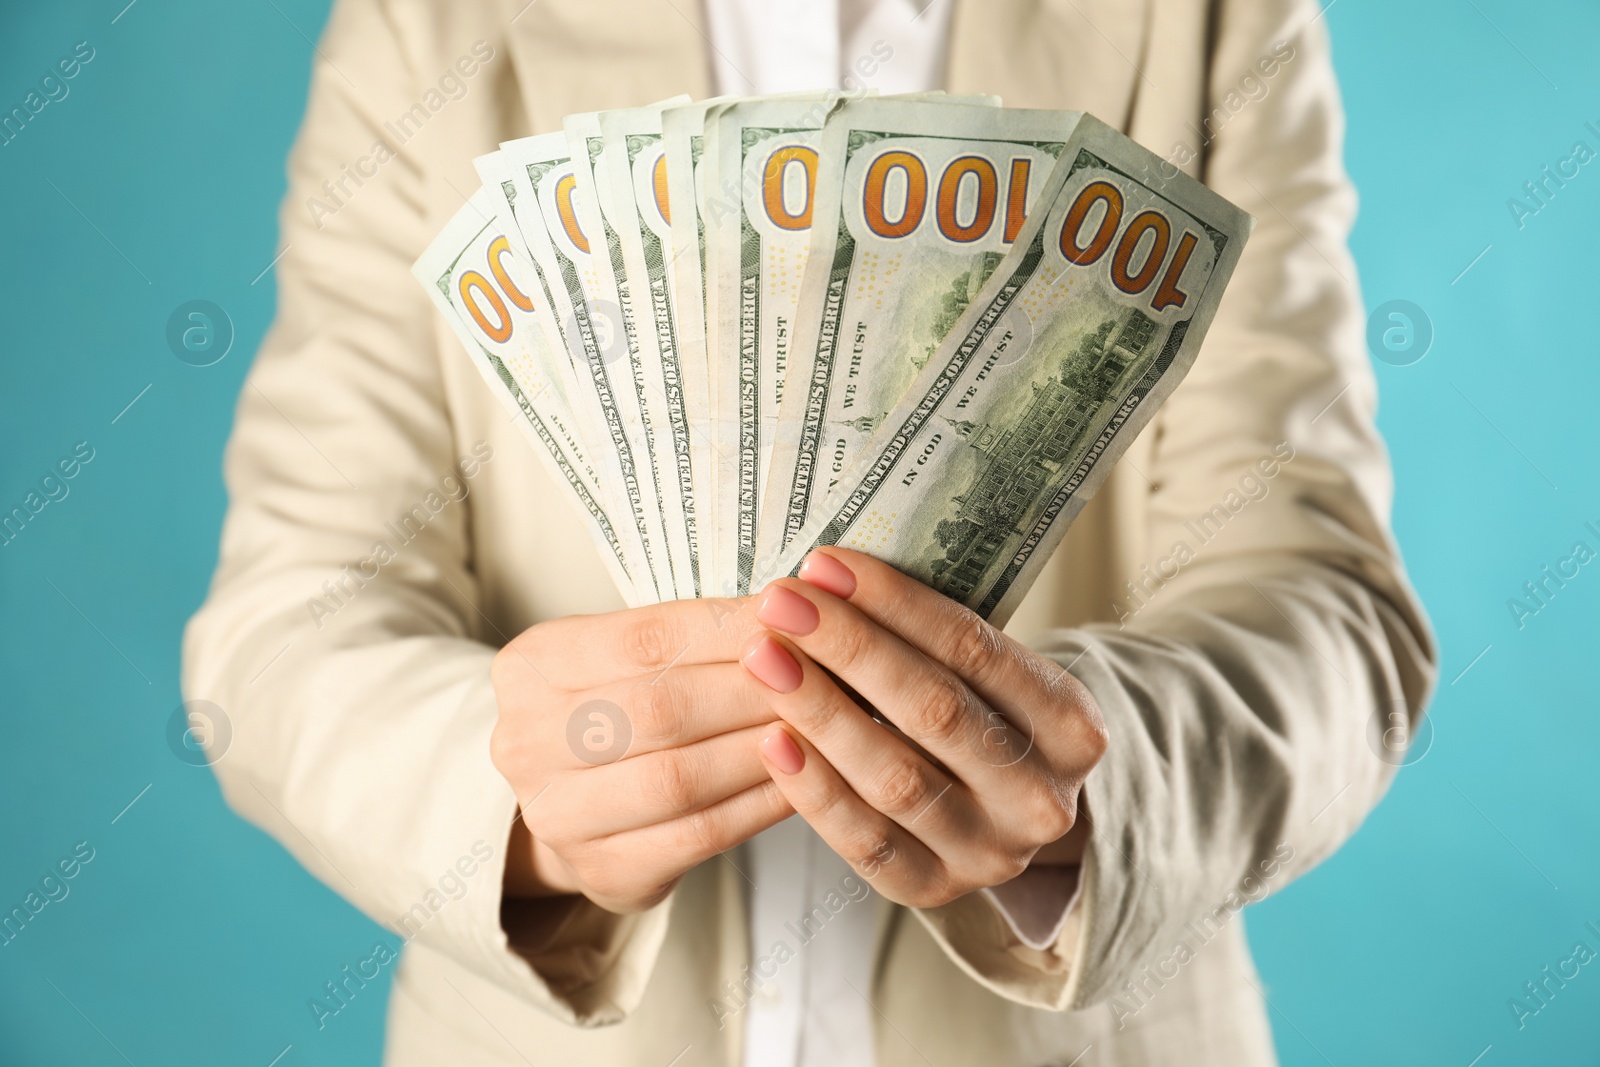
{"x": 1019, "y": 462}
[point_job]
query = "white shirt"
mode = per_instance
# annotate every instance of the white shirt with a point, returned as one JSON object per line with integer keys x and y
{"x": 777, "y": 46}
{"x": 812, "y": 928}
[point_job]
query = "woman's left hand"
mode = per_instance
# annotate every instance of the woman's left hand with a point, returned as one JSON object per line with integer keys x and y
{"x": 1013, "y": 733}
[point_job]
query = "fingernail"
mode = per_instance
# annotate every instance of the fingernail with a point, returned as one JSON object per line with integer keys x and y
{"x": 771, "y": 663}
{"x": 782, "y": 752}
{"x": 826, "y": 572}
{"x": 788, "y": 611}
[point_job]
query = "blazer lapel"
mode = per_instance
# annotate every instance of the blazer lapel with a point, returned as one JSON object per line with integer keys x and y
{"x": 603, "y": 54}
{"x": 1086, "y": 55}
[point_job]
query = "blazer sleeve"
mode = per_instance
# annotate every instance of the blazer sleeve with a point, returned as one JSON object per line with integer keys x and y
{"x": 1244, "y": 687}
{"x": 355, "y": 677}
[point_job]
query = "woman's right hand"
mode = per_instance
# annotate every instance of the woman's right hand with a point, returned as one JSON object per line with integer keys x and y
{"x": 631, "y": 742}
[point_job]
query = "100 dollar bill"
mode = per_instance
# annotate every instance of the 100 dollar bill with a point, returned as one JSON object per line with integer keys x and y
{"x": 483, "y": 292}
{"x": 1085, "y": 326}
{"x": 545, "y": 201}
{"x": 758, "y": 207}
{"x": 611, "y": 219}
{"x": 631, "y": 176}
{"x": 916, "y": 204}
{"x": 759, "y": 201}
{"x": 683, "y": 152}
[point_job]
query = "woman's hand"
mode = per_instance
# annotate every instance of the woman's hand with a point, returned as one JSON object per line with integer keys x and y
{"x": 1012, "y": 734}
{"x": 631, "y": 742}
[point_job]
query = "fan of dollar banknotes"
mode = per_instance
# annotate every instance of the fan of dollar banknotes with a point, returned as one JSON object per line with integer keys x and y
{"x": 924, "y": 327}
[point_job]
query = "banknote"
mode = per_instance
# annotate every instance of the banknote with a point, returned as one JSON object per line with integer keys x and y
{"x": 482, "y": 290}
{"x": 665, "y": 429}
{"x": 543, "y": 198}
{"x": 1083, "y": 328}
{"x": 758, "y": 201}
{"x": 683, "y": 147}
{"x": 916, "y": 203}
{"x": 685, "y": 137}
{"x": 500, "y": 190}
{"x": 630, "y": 172}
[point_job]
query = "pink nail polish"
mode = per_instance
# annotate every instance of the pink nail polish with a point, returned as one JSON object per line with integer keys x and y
{"x": 788, "y": 611}
{"x": 826, "y": 572}
{"x": 781, "y": 750}
{"x": 771, "y": 663}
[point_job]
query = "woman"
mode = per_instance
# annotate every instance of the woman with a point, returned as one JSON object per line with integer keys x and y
{"x": 1199, "y": 666}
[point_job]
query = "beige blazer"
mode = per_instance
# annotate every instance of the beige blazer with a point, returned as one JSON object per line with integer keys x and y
{"x": 1232, "y": 597}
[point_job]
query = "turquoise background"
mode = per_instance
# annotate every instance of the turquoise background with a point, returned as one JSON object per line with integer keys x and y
{"x": 192, "y": 938}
